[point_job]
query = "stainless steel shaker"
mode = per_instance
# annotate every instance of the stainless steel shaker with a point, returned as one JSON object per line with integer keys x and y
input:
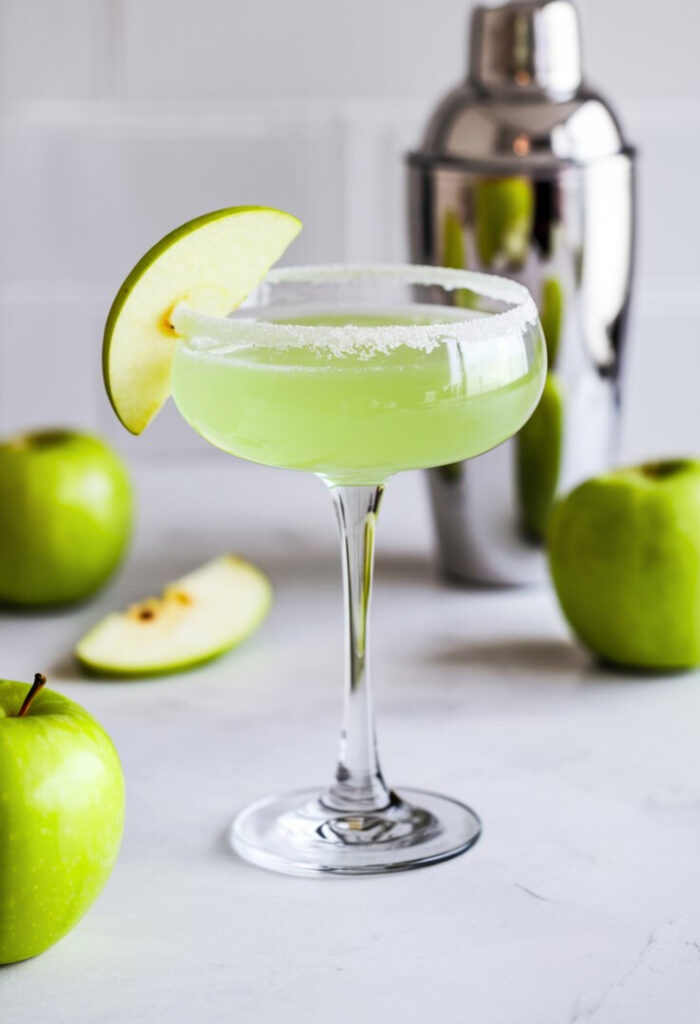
{"x": 524, "y": 171}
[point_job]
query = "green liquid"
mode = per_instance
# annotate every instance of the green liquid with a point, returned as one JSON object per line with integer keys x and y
{"x": 357, "y": 417}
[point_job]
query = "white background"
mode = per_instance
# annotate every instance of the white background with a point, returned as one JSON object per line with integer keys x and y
{"x": 122, "y": 118}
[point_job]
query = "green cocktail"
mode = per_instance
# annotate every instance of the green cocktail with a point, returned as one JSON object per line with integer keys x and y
{"x": 355, "y": 374}
{"x": 355, "y": 403}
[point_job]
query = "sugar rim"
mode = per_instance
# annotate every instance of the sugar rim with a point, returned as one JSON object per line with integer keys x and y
{"x": 190, "y": 324}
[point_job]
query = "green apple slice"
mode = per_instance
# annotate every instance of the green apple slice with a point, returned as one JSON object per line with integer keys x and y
{"x": 197, "y": 618}
{"x": 211, "y": 263}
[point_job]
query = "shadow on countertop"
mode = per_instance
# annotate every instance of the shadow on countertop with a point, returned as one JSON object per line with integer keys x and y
{"x": 517, "y": 655}
{"x": 551, "y": 659}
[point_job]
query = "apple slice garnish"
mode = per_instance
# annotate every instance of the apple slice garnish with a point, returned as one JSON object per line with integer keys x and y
{"x": 197, "y": 618}
{"x": 210, "y": 263}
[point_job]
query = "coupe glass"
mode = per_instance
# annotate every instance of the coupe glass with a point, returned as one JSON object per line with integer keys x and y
{"x": 356, "y": 373}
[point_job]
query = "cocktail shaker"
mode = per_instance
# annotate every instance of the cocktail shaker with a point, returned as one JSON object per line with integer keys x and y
{"x": 524, "y": 171}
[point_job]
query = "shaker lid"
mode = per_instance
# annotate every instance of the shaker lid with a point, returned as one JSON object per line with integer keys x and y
{"x": 526, "y": 46}
{"x": 524, "y": 101}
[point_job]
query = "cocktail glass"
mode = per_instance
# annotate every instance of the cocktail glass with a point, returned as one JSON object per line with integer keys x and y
{"x": 357, "y": 373}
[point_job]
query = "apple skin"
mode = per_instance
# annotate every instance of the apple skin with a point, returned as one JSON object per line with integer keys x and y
{"x": 61, "y": 818}
{"x": 624, "y": 552}
{"x": 65, "y": 517}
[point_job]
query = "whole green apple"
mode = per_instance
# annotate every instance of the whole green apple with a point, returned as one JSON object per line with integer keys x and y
{"x": 61, "y": 816}
{"x": 65, "y": 516}
{"x": 624, "y": 551}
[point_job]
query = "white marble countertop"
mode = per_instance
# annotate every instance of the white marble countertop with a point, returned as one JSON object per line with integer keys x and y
{"x": 581, "y": 902}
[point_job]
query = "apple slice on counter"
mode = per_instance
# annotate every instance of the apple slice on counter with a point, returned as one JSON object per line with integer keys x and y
{"x": 210, "y": 263}
{"x": 197, "y": 618}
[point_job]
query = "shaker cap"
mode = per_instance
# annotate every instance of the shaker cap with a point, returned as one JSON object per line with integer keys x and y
{"x": 526, "y": 46}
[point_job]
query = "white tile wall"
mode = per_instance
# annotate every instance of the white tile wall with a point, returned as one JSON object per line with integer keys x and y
{"x": 641, "y": 48}
{"x": 84, "y": 195}
{"x": 272, "y": 48}
{"x": 661, "y": 411}
{"x": 61, "y": 48}
{"x": 124, "y": 117}
{"x": 49, "y": 362}
{"x": 668, "y": 135}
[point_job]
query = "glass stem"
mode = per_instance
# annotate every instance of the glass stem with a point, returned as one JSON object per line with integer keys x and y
{"x": 358, "y": 785}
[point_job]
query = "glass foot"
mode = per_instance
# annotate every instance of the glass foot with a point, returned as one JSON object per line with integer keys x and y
{"x": 297, "y": 834}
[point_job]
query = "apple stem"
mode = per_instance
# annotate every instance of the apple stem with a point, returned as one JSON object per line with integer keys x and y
{"x": 38, "y": 684}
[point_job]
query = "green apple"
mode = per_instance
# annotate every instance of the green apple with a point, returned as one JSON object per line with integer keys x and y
{"x": 61, "y": 816}
{"x": 65, "y": 516}
{"x": 624, "y": 551}
{"x": 197, "y": 618}
{"x": 538, "y": 456}
{"x": 504, "y": 213}
{"x": 211, "y": 264}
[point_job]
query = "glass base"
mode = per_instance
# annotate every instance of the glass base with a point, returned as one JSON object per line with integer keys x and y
{"x": 297, "y": 834}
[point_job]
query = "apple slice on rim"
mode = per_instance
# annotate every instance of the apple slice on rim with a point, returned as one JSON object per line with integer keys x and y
{"x": 197, "y": 618}
{"x": 211, "y": 263}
